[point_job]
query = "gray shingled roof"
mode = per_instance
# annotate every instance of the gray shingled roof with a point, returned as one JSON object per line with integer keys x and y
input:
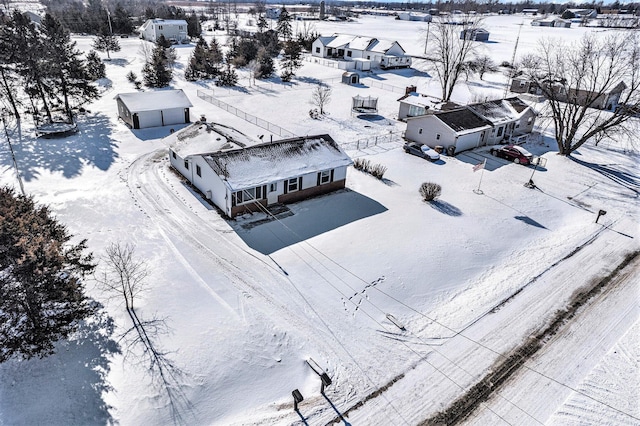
{"x": 462, "y": 119}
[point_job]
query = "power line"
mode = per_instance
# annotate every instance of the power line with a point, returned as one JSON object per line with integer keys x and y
{"x": 455, "y": 333}
{"x": 264, "y": 209}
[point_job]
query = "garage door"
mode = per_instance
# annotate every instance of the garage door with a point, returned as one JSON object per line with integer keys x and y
{"x": 467, "y": 142}
{"x": 173, "y": 116}
{"x": 150, "y": 119}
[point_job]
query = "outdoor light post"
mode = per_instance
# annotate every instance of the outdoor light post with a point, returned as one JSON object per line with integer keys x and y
{"x": 600, "y": 213}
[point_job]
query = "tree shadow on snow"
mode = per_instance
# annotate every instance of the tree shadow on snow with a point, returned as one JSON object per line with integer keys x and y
{"x": 91, "y": 145}
{"x": 529, "y": 221}
{"x": 311, "y": 218}
{"x": 446, "y": 208}
{"x": 64, "y": 388}
{"x": 628, "y": 180}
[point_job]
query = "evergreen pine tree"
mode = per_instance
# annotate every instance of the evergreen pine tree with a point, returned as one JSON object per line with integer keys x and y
{"x": 95, "y": 66}
{"x": 68, "y": 73}
{"x": 106, "y": 42}
{"x": 41, "y": 292}
{"x": 197, "y": 65}
{"x": 194, "y": 28}
{"x": 157, "y": 72}
{"x": 291, "y": 60}
{"x": 266, "y": 66}
{"x": 283, "y": 27}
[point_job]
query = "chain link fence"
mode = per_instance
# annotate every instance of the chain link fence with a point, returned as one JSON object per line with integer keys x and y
{"x": 273, "y": 128}
{"x": 393, "y": 138}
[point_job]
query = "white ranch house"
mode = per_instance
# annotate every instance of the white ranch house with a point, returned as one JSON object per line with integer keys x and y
{"x": 381, "y": 53}
{"x": 172, "y": 29}
{"x": 471, "y": 126}
{"x": 248, "y": 179}
{"x": 153, "y": 109}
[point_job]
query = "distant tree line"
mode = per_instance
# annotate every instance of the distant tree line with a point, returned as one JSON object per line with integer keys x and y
{"x": 121, "y": 17}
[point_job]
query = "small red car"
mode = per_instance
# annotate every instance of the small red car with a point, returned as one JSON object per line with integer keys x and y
{"x": 514, "y": 153}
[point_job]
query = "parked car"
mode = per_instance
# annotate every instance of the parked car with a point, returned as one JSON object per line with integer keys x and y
{"x": 514, "y": 153}
{"x": 421, "y": 150}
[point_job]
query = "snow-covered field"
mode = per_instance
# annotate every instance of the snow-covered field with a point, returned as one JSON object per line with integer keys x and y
{"x": 470, "y": 277}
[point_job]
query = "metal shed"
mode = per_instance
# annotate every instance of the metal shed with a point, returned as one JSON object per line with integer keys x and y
{"x": 350, "y": 77}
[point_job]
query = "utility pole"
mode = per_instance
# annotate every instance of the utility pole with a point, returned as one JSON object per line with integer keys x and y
{"x": 513, "y": 59}
{"x": 426, "y": 40}
{"x": 13, "y": 156}
{"x": 109, "y": 18}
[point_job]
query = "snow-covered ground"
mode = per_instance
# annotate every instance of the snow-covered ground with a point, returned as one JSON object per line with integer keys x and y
{"x": 470, "y": 277}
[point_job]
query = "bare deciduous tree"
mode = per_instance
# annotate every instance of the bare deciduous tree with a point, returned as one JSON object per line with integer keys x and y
{"x": 123, "y": 276}
{"x": 321, "y": 96}
{"x": 449, "y": 50}
{"x": 484, "y": 64}
{"x": 580, "y": 83}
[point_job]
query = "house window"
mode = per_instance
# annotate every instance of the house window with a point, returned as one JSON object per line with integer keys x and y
{"x": 173, "y": 153}
{"x": 248, "y": 195}
{"x": 529, "y": 121}
{"x": 292, "y": 184}
{"x": 317, "y": 50}
{"x": 499, "y": 131}
{"x": 437, "y": 136}
{"x": 522, "y": 84}
{"x": 273, "y": 187}
{"x": 198, "y": 170}
{"x": 180, "y": 27}
{"x": 186, "y": 164}
{"x": 159, "y": 27}
{"x": 348, "y": 53}
{"x": 415, "y": 110}
{"x": 420, "y": 131}
{"x": 324, "y": 177}
{"x": 368, "y": 56}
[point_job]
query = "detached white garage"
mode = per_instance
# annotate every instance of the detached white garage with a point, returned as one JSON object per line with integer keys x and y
{"x": 153, "y": 109}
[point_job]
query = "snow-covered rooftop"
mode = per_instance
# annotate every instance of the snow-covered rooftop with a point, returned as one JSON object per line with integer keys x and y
{"x": 200, "y": 138}
{"x": 152, "y": 101}
{"x": 269, "y": 162}
{"x": 500, "y": 110}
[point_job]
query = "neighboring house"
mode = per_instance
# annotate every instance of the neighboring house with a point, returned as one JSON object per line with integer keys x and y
{"x": 174, "y": 30}
{"x": 476, "y": 34}
{"x": 530, "y": 11}
{"x": 608, "y": 100}
{"x": 471, "y": 126}
{"x": 412, "y": 16}
{"x": 412, "y": 105}
{"x": 240, "y": 180}
{"x": 381, "y": 53}
{"x": 152, "y": 109}
{"x": 523, "y": 85}
{"x": 584, "y": 13}
{"x": 551, "y": 22}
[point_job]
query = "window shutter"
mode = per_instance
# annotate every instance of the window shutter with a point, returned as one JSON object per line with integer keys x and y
{"x": 331, "y": 179}
{"x": 300, "y": 183}
{"x": 319, "y": 174}
{"x": 286, "y": 186}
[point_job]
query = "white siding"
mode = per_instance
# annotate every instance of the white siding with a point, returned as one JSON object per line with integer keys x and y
{"x": 173, "y": 116}
{"x": 149, "y": 119}
{"x": 468, "y": 141}
{"x": 340, "y": 173}
{"x": 431, "y": 128}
